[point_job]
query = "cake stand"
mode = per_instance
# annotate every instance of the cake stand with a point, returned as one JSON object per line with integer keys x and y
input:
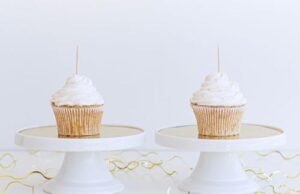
{"x": 219, "y": 170}
{"x": 83, "y": 170}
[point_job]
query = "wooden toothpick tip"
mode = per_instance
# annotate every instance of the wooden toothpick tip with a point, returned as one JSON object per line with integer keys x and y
{"x": 219, "y": 61}
{"x": 77, "y": 60}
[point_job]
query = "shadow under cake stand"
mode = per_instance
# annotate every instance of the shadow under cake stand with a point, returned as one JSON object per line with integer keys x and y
{"x": 83, "y": 170}
{"x": 219, "y": 170}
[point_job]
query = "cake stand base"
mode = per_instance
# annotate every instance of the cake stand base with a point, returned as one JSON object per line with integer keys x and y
{"x": 219, "y": 173}
{"x": 83, "y": 173}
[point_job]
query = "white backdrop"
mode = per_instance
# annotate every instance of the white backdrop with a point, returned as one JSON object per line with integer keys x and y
{"x": 147, "y": 57}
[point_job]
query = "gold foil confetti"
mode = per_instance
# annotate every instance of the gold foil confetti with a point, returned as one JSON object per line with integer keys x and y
{"x": 6, "y": 188}
{"x": 11, "y": 161}
{"x": 20, "y": 180}
{"x": 283, "y": 156}
{"x": 262, "y": 175}
{"x": 118, "y": 165}
{"x": 26, "y": 176}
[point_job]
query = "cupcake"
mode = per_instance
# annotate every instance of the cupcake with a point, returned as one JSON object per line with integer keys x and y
{"x": 218, "y": 106}
{"x": 78, "y": 108}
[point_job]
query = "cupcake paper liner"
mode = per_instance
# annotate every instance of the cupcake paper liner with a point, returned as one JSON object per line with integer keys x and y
{"x": 219, "y": 137}
{"x": 78, "y": 121}
{"x": 218, "y": 120}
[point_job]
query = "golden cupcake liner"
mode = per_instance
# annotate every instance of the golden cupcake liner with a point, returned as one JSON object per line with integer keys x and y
{"x": 237, "y": 136}
{"x": 78, "y": 121}
{"x": 218, "y": 120}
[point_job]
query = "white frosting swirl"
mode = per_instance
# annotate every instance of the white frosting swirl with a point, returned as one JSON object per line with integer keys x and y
{"x": 218, "y": 90}
{"x": 78, "y": 90}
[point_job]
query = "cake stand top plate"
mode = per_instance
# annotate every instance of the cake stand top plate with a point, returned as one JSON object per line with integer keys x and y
{"x": 113, "y": 137}
{"x": 252, "y": 137}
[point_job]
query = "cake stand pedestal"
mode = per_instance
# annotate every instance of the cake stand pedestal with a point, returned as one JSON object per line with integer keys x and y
{"x": 219, "y": 170}
{"x": 83, "y": 170}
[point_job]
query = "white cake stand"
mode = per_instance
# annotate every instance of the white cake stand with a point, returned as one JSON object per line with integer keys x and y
{"x": 83, "y": 170}
{"x": 219, "y": 170}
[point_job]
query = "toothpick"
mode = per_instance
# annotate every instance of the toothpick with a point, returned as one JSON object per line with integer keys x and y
{"x": 77, "y": 60}
{"x": 219, "y": 61}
